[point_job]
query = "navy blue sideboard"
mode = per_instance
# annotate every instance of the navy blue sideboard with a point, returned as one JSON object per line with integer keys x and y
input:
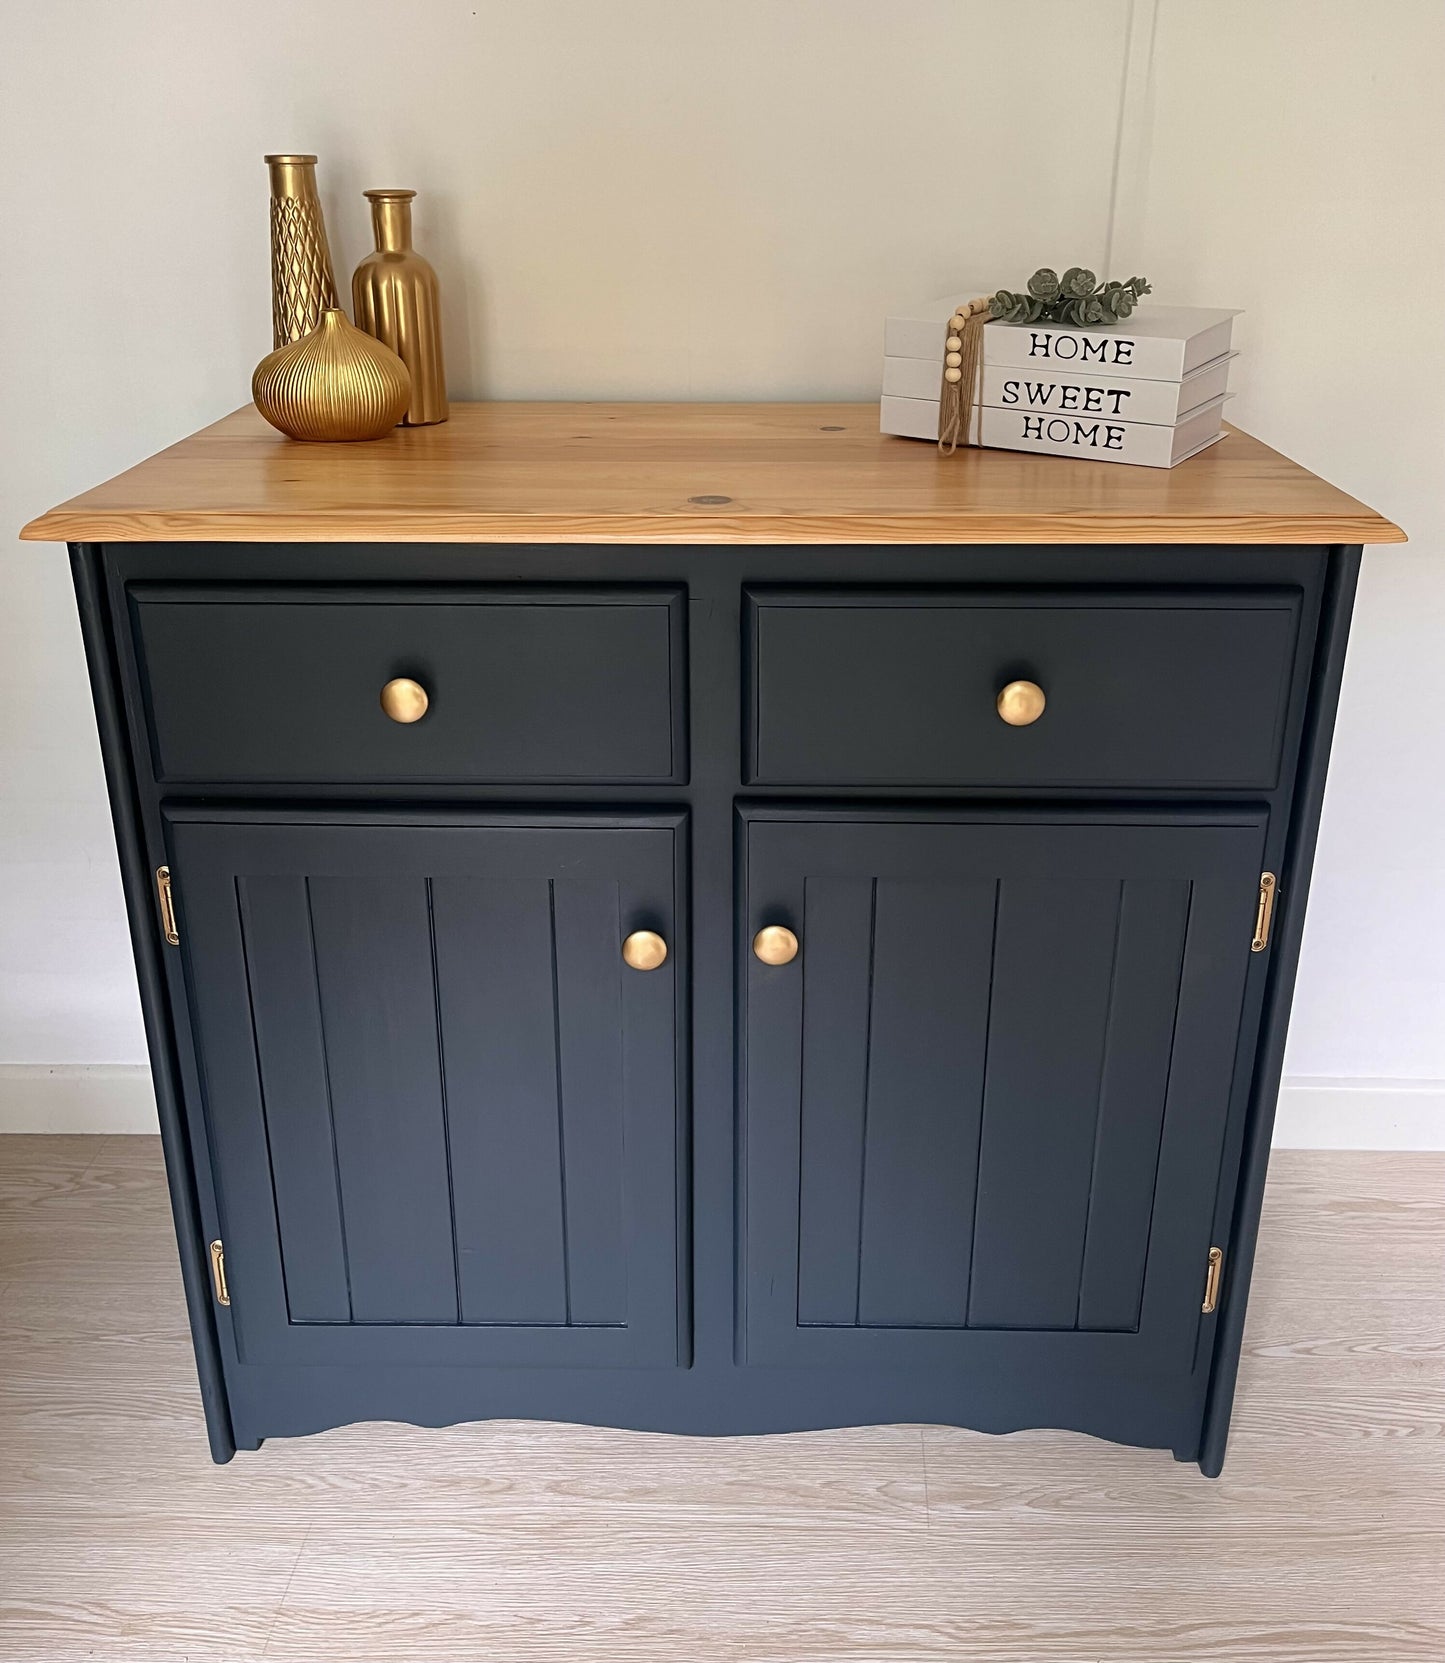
{"x": 806, "y": 950}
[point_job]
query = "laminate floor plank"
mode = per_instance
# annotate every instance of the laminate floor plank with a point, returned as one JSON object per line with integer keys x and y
{"x": 475, "y": 1479}
{"x": 43, "y": 1194}
{"x": 145, "y": 1308}
{"x": 1324, "y": 1541}
{"x": 61, "y": 1157}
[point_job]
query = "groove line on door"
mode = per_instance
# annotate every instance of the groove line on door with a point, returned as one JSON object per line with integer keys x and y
{"x": 436, "y": 996}
{"x": 330, "y": 1105}
{"x": 802, "y": 1117}
{"x": 983, "y": 1094}
{"x": 239, "y": 894}
{"x": 1099, "y": 1099}
{"x": 867, "y": 1093}
{"x": 1168, "y": 1085}
{"x": 561, "y": 1108}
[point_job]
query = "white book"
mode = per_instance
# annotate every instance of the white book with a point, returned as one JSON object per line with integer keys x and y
{"x": 1071, "y": 392}
{"x": 920, "y": 331}
{"x": 1090, "y": 438}
{"x": 1158, "y": 343}
{"x": 910, "y": 418}
{"x": 1123, "y": 398}
{"x": 1096, "y": 439}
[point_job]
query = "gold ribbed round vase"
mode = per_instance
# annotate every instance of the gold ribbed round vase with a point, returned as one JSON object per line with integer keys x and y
{"x": 335, "y": 383}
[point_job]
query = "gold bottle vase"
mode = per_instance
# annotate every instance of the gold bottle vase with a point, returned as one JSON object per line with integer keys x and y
{"x": 302, "y": 283}
{"x": 395, "y": 298}
{"x": 335, "y": 383}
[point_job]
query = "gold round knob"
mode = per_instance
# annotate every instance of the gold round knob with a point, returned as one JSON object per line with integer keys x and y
{"x": 644, "y": 950}
{"x": 1021, "y": 702}
{"x": 404, "y": 700}
{"x": 775, "y": 945}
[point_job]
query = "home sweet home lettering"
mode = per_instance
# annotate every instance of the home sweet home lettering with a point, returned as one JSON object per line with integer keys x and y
{"x": 1091, "y": 401}
{"x": 1059, "y": 430}
{"x": 1081, "y": 348}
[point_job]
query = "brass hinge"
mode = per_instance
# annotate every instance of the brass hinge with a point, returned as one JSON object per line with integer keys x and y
{"x": 1268, "y": 884}
{"x": 168, "y": 906}
{"x": 1211, "y": 1279}
{"x": 218, "y": 1273}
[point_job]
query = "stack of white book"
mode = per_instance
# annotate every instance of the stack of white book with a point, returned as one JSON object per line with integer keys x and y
{"x": 1148, "y": 390}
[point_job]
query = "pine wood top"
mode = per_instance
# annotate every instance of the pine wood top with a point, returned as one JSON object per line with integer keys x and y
{"x": 694, "y": 473}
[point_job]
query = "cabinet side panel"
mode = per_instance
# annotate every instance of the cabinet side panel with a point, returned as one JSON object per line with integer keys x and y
{"x": 136, "y": 878}
{"x": 1309, "y": 790}
{"x": 374, "y": 969}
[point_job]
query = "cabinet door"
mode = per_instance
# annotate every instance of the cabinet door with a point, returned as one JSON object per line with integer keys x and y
{"x": 984, "y": 1106}
{"x": 442, "y": 1111}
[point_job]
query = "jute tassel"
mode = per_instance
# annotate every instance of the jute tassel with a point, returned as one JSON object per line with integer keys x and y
{"x": 962, "y": 375}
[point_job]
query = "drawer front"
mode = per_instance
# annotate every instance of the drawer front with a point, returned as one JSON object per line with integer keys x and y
{"x": 544, "y": 685}
{"x": 1143, "y": 689}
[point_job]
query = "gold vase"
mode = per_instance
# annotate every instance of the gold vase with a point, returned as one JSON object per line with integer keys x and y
{"x": 335, "y": 383}
{"x": 302, "y": 283}
{"x": 394, "y": 296}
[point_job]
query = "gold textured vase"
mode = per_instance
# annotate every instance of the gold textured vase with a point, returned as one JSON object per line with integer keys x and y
{"x": 335, "y": 383}
{"x": 394, "y": 296}
{"x": 302, "y": 283}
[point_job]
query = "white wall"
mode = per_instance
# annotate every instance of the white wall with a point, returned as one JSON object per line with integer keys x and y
{"x": 1295, "y": 166}
{"x": 709, "y": 199}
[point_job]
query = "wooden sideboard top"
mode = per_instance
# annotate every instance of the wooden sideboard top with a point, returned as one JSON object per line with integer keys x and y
{"x": 691, "y": 473}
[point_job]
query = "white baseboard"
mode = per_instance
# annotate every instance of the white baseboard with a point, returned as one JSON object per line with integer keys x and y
{"x": 1313, "y": 1113}
{"x": 1320, "y": 1113}
{"x": 76, "y": 1097}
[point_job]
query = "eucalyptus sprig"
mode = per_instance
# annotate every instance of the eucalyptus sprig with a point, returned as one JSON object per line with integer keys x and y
{"x": 1073, "y": 298}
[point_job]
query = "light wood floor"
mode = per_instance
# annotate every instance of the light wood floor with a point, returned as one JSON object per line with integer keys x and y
{"x": 1324, "y": 1540}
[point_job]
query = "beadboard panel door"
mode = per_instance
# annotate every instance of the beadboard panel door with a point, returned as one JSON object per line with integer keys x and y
{"x": 986, "y": 1104}
{"x": 443, "y": 1113}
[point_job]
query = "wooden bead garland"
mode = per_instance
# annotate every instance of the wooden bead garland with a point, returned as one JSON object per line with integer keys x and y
{"x": 962, "y": 374}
